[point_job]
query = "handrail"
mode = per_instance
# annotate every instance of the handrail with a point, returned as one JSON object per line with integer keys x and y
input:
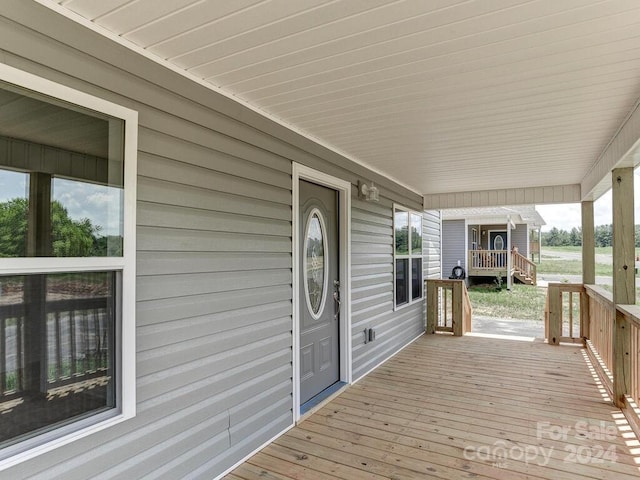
{"x": 613, "y": 342}
{"x": 439, "y": 310}
{"x": 565, "y": 315}
{"x": 496, "y": 262}
{"x": 600, "y": 336}
{"x": 468, "y": 309}
{"x": 523, "y": 265}
{"x": 487, "y": 259}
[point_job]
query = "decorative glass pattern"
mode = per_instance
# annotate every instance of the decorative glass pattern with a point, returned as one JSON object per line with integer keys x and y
{"x": 315, "y": 275}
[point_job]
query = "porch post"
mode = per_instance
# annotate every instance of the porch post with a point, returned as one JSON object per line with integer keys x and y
{"x": 509, "y": 254}
{"x": 38, "y": 245}
{"x": 624, "y": 289}
{"x": 588, "y": 244}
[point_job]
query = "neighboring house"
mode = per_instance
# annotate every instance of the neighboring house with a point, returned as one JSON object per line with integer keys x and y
{"x": 238, "y": 277}
{"x": 491, "y": 242}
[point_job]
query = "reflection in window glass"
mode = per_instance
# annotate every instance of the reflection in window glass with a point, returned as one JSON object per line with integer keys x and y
{"x": 14, "y": 208}
{"x": 57, "y": 357}
{"x": 61, "y": 179}
{"x": 416, "y": 234}
{"x": 402, "y": 281}
{"x": 401, "y": 225}
{"x": 87, "y": 219}
{"x": 416, "y": 278}
{"x": 408, "y": 256}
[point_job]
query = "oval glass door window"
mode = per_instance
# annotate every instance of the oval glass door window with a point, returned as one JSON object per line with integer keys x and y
{"x": 498, "y": 243}
{"x": 315, "y": 263}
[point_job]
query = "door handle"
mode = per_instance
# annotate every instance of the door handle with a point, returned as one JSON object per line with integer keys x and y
{"x": 336, "y": 298}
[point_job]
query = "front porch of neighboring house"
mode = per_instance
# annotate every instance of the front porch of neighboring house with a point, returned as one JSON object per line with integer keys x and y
{"x": 502, "y": 263}
{"x": 492, "y": 242}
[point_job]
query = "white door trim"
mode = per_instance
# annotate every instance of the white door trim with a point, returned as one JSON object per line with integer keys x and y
{"x": 301, "y": 172}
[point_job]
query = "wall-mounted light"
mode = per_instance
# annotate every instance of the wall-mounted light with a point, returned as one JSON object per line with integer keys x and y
{"x": 368, "y": 192}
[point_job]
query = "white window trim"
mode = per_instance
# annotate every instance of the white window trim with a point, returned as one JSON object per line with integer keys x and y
{"x": 410, "y": 301}
{"x": 125, "y": 350}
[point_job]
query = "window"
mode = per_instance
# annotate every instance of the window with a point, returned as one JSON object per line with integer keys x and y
{"x": 67, "y": 259}
{"x": 407, "y": 256}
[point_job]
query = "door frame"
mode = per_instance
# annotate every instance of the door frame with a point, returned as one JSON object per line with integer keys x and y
{"x": 343, "y": 187}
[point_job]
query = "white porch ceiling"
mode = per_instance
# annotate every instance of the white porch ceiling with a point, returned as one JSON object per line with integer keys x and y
{"x": 441, "y": 95}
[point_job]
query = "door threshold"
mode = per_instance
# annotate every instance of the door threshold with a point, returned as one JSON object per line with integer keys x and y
{"x": 316, "y": 403}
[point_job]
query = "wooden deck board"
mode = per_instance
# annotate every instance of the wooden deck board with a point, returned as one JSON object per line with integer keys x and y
{"x": 455, "y": 408}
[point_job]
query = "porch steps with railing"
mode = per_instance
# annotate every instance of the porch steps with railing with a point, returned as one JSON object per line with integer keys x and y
{"x": 484, "y": 263}
{"x": 523, "y": 269}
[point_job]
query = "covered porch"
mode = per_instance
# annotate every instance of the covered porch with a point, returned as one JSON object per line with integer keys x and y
{"x": 462, "y": 407}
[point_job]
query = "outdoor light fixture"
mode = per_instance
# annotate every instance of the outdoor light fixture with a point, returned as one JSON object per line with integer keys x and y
{"x": 368, "y": 192}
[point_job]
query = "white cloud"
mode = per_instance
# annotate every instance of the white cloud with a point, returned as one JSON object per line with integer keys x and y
{"x": 12, "y": 185}
{"x": 566, "y": 216}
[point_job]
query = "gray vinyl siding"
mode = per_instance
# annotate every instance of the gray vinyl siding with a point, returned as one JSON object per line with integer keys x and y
{"x": 520, "y": 239}
{"x": 214, "y": 293}
{"x": 431, "y": 244}
{"x": 453, "y": 245}
{"x": 372, "y": 295}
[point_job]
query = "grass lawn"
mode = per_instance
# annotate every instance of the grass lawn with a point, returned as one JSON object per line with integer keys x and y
{"x": 523, "y": 302}
{"x": 527, "y": 302}
{"x": 599, "y": 250}
{"x": 570, "y": 267}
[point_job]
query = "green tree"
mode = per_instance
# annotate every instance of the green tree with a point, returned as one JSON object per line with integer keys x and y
{"x": 70, "y": 238}
{"x": 552, "y": 238}
{"x": 13, "y": 227}
{"x": 575, "y": 237}
{"x": 603, "y": 235}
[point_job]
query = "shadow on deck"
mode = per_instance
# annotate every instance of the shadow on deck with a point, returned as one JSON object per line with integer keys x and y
{"x": 462, "y": 407}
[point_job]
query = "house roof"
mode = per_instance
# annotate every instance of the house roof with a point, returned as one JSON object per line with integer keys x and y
{"x": 519, "y": 214}
{"x": 443, "y": 96}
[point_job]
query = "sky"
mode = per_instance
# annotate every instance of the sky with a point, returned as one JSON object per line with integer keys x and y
{"x": 566, "y": 216}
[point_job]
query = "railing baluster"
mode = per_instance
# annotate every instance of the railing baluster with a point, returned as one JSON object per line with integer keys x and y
{"x": 20, "y": 353}
{"x": 63, "y": 344}
{"x": 97, "y": 339}
{"x": 72, "y": 341}
{"x": 85, "y": 339}
{"x": 3, "y": 355}
{"x": 570, "y": 314}
{"x": 58, "y": 346}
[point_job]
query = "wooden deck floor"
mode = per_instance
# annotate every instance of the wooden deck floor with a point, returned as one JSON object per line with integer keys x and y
{"x": 455, "y": 408}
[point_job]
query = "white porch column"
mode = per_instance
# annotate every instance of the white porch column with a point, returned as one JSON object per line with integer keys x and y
{"x": 588, "y": 244}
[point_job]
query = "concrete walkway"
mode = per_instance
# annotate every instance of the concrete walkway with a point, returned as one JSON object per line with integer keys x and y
{"x": 507, "y": 326}
{"x": 545, "y": 278}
